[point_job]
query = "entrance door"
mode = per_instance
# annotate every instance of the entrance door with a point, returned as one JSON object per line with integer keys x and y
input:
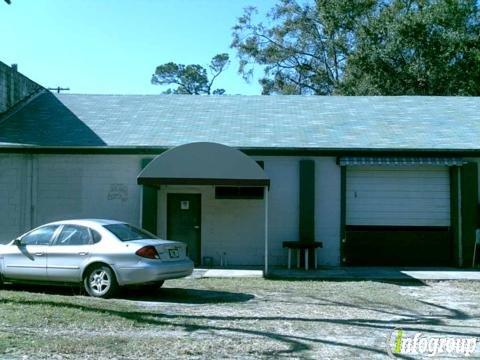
{"x": 184, "y": 220}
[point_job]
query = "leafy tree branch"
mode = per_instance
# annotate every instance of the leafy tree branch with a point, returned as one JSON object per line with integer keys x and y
{"x": 363, "y": 47}
{"x": 191, "y": 79}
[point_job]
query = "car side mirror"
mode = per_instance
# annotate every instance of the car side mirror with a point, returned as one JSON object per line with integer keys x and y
{"x": 17, "y": 242}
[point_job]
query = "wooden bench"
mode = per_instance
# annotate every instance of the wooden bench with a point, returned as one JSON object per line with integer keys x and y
{"x": 299, "y": 246}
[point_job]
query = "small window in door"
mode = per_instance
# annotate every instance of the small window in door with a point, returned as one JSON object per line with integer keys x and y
{"x": 73, "y": 235}
{"x": 40, "y": 236}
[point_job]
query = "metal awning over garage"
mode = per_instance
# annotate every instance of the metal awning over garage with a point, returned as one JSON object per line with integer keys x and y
{"x": 203, "y": 163}
{"x": 400, "y": 161}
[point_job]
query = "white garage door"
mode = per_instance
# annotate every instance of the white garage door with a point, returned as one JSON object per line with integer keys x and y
{"x": 401, "y": 196}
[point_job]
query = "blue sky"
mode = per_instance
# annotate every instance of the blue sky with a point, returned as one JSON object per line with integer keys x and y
{"x": 113, "y": 46}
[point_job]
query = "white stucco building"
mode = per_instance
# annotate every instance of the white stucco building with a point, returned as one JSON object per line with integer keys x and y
{"x": 378, "y": 180}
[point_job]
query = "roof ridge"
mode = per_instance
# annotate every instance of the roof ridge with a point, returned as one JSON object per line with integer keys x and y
{"x": 268, "y": 96}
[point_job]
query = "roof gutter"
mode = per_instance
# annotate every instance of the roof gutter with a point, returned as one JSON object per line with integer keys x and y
{"x": 256, "y": 151}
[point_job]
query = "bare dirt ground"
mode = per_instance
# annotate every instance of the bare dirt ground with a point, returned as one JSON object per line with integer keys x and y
{"x": 233, "y": 318}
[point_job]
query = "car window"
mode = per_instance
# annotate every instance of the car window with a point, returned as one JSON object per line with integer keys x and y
{"x": 73, "y": 235}
{"x": 40, "y": 236}
{"x": 96, "y": 236}
{"x": 126, "y": 232}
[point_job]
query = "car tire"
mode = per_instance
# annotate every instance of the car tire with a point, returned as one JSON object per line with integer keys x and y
{"x": 100, "y": 282}
{"x": 159, "y": 284}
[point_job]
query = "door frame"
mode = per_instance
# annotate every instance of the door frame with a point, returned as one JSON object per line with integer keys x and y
{"x": 186, "y": 192}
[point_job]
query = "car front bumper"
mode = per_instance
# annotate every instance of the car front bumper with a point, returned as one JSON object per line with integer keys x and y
{"x": 152, "y": 271}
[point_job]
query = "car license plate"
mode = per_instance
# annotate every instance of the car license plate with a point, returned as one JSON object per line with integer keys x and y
{"x": 173, "y": 253}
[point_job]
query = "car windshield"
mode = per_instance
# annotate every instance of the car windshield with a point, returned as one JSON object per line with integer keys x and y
{"x": 125, "y": 232}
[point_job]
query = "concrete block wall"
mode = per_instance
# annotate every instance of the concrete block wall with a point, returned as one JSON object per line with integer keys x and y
{"x": 284, "y": 206}
{"x": 14, "y": 87}
{"x": 14, "y": 196}
{"x": 87, "y": 186}
{"x": 36, "y": 189}
{"x": 327, "y": 210}
{"x": 233, "y": 227}
{"x": 236, "y": 227}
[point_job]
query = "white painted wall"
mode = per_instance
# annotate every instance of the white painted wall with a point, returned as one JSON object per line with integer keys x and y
{"x": 415, "y": 196}
{"x": 233, "y": 227}
{"x": 236, "y": 226}
{"x": 14, "y": 196}
{"x": 93, "y": 186}
{"x": 41, "y": 188}
{"x": 104, "y": 186}
{"x": 327, "y": 210}
{"x": 283, "y": 204}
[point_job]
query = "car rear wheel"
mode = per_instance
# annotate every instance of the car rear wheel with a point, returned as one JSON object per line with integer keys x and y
{"x": 100, "y": 282}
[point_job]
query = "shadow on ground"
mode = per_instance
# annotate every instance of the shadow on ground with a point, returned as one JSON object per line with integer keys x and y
{"x": 433, "y": 319}
{"x": 408, "y": 281}
{"x": 184, "y": 295}
{"x": 160, "y": 295}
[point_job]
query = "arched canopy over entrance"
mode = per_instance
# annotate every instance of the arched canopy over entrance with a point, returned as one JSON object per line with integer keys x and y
{"x": 203, "y": 163}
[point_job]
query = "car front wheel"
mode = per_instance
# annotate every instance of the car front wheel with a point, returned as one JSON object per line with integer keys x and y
{"x": 100, "y": 282}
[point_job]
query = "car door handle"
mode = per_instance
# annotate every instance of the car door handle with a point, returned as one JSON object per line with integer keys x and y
{"x": 83, "y": 253}
{"x": 38, "y": 254}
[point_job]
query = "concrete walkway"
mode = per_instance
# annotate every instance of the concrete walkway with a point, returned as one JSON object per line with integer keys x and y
{"x": 227, "y": 273}
{"x": 380, "y": 273}
{"x": 348, "y": 273}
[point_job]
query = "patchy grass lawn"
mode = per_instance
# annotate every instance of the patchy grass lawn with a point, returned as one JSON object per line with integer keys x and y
{"x": 233, "y": 318}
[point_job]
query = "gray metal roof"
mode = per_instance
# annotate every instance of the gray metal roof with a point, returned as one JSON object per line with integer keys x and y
{"x": 405, "y": 122}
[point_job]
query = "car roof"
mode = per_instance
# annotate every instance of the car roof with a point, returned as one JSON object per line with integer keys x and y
{"x": 87, "y": 222}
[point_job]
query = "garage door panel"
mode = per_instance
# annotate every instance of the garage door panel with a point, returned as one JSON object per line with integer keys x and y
{"x": 398, "y": 216}
{"x": 399, "y": 186}
{"x": 398, "y": 196}
{"x": 432, "y": 220}
{"x": 402, "y": 221}
{"x": 389, "y": 184}
{"x": 400, "y": 203}
{"x": 384, "y": 247}
{"x": 399, "y": 174}
{"x": 405, "y": 184}
{"x": 402, "y": 194}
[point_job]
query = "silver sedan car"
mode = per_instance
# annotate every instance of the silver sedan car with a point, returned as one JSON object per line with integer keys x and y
{"x": 100, "y": 254}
